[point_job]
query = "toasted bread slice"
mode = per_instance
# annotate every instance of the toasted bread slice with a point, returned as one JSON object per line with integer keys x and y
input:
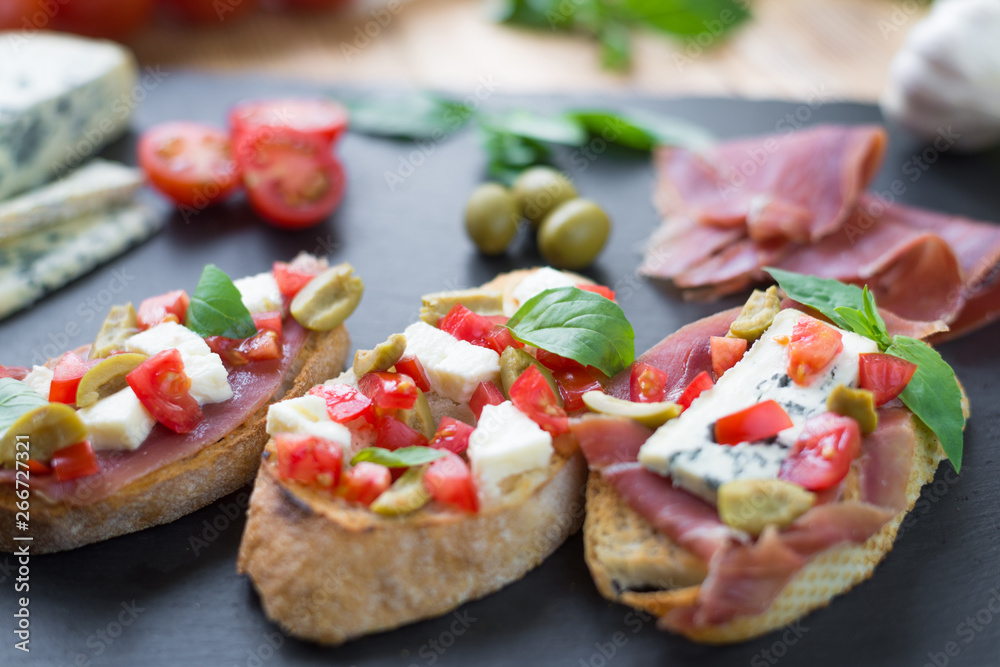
{"x": 182, "y": 487}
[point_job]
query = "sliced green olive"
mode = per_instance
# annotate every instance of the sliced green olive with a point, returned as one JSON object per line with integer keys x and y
{"x": 515, "y": 361}
{"x": 436, "y": 305}
{"x": 757, "y": 314}
{"x": 539, "y": 191}
{"x": 419, "y": 417}
{"x": 574, "y": 234}
{"x": 858, "y": 404}
{"x": 106, "y": 378}
{"x": 407, "y": 494}
{"x": 328, "y": 299}
{"x": 120, "y": 325}
{"x": 652, "y": 415}
{"x": 751, "y": 504}
{"x": 382, "y": 358}
{"x": 48, "y": 427}
{"x": 491, "y": 218}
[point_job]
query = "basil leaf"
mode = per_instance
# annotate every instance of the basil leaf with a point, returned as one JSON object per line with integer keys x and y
{"x": 616, "y": 46}
{"x": 508, "y": 155}
{"x": 643, "y": 131}
{"x": 578, "y": 325}
{"x": 875, "y": 317}
{"x": 857, "y": 322}
{"x": 822, "y": 294}
{"x": 404, "y": 457}
{"x": 16, "y": 398}
{"x": 561, "y": 129}
{"x": 216, "y": 308}
{"x": 933, "y": 394}
{"x": 689, "y": 18}
{"x": 415, "y": 116}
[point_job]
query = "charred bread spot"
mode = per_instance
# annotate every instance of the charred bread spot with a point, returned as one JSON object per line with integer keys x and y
{"x": 291, "y": 506}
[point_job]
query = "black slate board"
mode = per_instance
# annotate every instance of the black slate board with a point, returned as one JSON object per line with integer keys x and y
{"x": 170, "y": 595}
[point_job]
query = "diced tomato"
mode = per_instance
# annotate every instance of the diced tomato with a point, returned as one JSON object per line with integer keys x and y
{"x": 647, "y": 384}
{"x": 411, "y": 366}
{"x": 210, "y": 13}
{"x": 190, "y": 163}
{"x": 823, "y": 453}
{"x": 466, "y": 325}
{"x": 308, "y": 459}
{"x": 38, "y": 468}
{"x": 498, "y": 319}
{"x": 15, "y": 372}
{"x": 111, "y": 19}
{"x": 323, "y": 119}
{"x": 364, "y": 482}
{"x": 452, "y": 435}
{"x": 389, "y": 391}
{"x": 169, "y": 307}
{"x": 554, "y": 362}
{"x": 725, "y": 353}
{"x": 811, "y": 349}
{"x": 758, "y": 422}
{"x": 344, "y": 403}
{"x": 66, "y": 378}
{"x": 265, "y": 345}
{"x": 292, "y": 277}
{"x": 606, "y": 292}
{"x": 885, "y": 375}
{"x": 500, "y": 338}
{"x": 74, "y": 461}
{"x": 573, "y": 384}
{"x": 449, "y": 481}
{"x": 701, "y": 382}
{"x": 164, "y": 390}
{"x": 485, "y": 394}
{"x": 533, "y": 396}
{"x": 270, "y": 321}
{"x": 394, "y": 434}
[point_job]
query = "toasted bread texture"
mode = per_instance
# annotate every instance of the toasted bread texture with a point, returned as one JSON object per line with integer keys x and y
{"x": 633, "y": 564}
{"x": 171, "y": 492}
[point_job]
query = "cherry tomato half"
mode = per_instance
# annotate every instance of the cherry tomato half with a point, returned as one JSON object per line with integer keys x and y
{"x": 449, "y": 481}
{"x": 532, "y": 395}
{"x": 823, "y": 453}
{"x": 164, "y": 390}
{"x": 190, "y": 163}
{"x": 112, "y": 19}
{"x": 319, "y": 118}
{"x": 812, "y": 348}
{"x": 647, "y": 384}
{"x": 885, "y": 375}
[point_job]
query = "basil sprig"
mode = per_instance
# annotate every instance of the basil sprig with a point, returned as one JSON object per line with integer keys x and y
{"x": 404, "y": 457}
{"x": 16, "y": 398}
{"x": 933, "y": 394}
{"x": 579, "y": 325}
{"x": 217, "y": 309}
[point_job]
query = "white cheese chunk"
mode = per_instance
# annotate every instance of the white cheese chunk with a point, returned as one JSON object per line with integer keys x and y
{"x": 683, "y": 448}
{"x": 260, "y": 293}
{"x": 307, "y": 415}
{"x": 117, "y": 422}
{"x": 536, "y": 283}
{"x": 454, "y": 367}
{"x": 209, "y": 378}
{"x": 40, "y": 379}
{"x": 506, "y": 442}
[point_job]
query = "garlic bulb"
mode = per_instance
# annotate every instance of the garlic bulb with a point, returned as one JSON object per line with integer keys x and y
{"x": 945, "y": 80}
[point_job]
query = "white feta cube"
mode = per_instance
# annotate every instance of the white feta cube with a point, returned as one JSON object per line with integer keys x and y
{"x": 454, "y": 367}
{"x": 506, "y": 442}
{"x": 260, "y": 293}
{"x": 118, "y": 421}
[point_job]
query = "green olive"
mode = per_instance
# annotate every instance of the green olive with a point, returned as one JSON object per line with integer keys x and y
{"x": 491, "y": 218}
{"x": 481, "y": 301}
{"x": 539, "y": 191}
{"x": 514, "y": 361}
{"x": 419, "y": 417}
{"x": 858, "y": 404}
{"x": 757, "y": 314}
{"x": 751, "y": 504}
{"x": 328, "y": 299}
{"x": 652, "y": 415}
{"x": 573, "y": 235}
{"x": 48, "y": 427}
{"x": 106, "y": 377}
{"x": 407, "y": 494}
{"x": 382, "y": 358}
{"x": 120, "y": 324}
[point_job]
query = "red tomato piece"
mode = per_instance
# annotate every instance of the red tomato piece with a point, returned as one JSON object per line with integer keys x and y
{"x": 164, "y": 390}
{"x": 112, "y": 19}
{"x": 344, "y": 403}
{"x": 606, "y": 292}
{"x": 394, "y": 434}
{"x": 466, "y": 325}
{"x": 811, "y": 349}
{"x": 452, "y": 435}
{"x": 38, "y": 468}
{"x": 364, "y": 483}
{"x": 389, "y": 391}
{"x": 15, "y": 372}
{"x": 885, "y": 375}
{"x": 725, "y": 353}
{"x": 533, "y": 396}
{"x": 701, "y": 382}
{"x": 554, "y": 362}
{"x": 647, "y": 384}
{"x": 823, "y": 453}
{"x": 189, "y": 162}
{"x": 499, "y": 339}
{"x": 573, "y": 384}
{"x": 293, "y": 181}
{"x": 265, "y": 345}
{"x": 316, "y": 5}
{"x": 449, "y": 481}
{"x": 498, "y": 319}
{"x": 308, "y": 459}
{"x": 293, "y": 276}
{"x": 268, "y": 322}
{"x": 169, "y": 307}
{"x": 758, "y": 422}
{"x": 66, "y": 378}
{"x": 412, "y": 367}
{"x": 322, "y": 119}
{"x": 210, "y": 13}
{"x": 74, "y": 461}
{"x": 485, "y": 394}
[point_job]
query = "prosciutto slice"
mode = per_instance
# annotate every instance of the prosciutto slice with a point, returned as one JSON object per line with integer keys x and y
{"x": 253, "y": 386}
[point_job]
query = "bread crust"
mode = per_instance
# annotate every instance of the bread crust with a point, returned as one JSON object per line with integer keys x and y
{"x": 180, "y": 488}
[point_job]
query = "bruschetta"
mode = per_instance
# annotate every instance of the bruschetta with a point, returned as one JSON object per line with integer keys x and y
{"x": 800, "y": 439}
{"x": 165, "y": 411}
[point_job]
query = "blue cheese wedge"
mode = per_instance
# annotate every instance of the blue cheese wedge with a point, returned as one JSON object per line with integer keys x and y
{"x": 454, "y": 367}
{"x": 62, "y": 99}
{"x": 37, "y": 263}
{"x": 506, "y": 444}
{"x": 684, "y": 448}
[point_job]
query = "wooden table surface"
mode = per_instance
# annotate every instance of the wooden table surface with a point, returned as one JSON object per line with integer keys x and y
{"x": 791, "y": 49}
